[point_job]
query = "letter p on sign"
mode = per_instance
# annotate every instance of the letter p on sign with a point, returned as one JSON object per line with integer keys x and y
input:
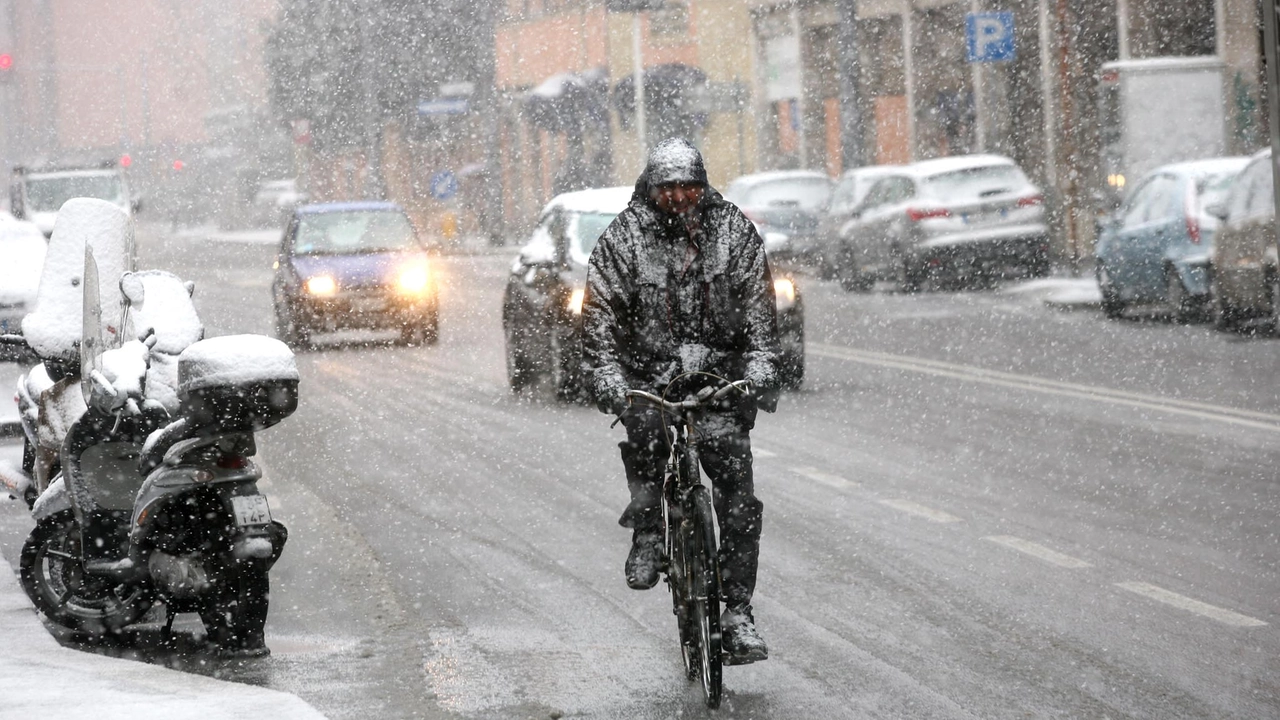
{"x": 990, "y": 36}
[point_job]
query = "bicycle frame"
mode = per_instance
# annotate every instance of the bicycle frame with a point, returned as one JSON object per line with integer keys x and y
{"x": 692, "y": 570}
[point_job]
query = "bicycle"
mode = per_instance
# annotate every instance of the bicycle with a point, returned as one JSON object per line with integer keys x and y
{"x": 692, "y": 568}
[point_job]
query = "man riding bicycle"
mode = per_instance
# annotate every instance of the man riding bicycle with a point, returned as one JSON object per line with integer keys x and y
{"x": 679, "y": 284}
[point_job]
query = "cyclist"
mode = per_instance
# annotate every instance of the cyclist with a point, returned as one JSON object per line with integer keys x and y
{"x": 679, "y": 283}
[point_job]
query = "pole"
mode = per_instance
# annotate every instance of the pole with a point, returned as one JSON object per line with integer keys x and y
{"x": 1068, "y": 154}
{"x": 370, "y": 189}
{"x": 1271, "y": 36}
{"x": 797, "y": 31}
{"x": 851, "y": 136}
{"x": 1122, "y": 27}
{"x": 637, "y": 74}
{"x": 908, "y": 66}
{"x": 1046, "y": 99}
{"x": 979, "y": 109}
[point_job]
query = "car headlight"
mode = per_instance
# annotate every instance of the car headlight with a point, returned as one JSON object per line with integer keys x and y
{"x": 322, "y": 286}
{"x": 575, "y": 300}
{"x": 784, "y": 291}
{"x": 413, "y": 279}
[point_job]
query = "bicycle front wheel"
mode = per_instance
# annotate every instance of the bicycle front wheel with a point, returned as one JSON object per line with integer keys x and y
{"x": 703, "y": 582}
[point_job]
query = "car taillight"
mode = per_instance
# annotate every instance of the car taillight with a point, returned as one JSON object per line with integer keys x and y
{"x": 233, "y": 462}
{"x": 918, "y": 214}
{"x": 1191, "y": 215}
{"x": 1030, "y": 200}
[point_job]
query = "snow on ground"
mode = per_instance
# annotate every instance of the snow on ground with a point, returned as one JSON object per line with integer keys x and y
{"x": 44, "y": 680}
{"x": 1061, "y": 291}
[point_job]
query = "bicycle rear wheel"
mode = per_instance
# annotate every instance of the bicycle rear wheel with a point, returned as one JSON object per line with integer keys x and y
{"x": 703, "y": 582}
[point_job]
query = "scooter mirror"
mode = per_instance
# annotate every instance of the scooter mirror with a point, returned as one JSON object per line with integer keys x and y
{"x": 133, "y": 288}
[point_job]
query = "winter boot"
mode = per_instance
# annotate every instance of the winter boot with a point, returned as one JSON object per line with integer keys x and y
{"x": 645, "y": 561}
{"x": 742, "y": 643}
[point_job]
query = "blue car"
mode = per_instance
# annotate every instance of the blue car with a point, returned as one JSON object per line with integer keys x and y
{"x": 354, "y": 265}
{"x": 1155, "y": 249}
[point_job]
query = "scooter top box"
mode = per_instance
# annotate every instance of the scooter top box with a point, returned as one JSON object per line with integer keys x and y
{"x": 248, "y": 381}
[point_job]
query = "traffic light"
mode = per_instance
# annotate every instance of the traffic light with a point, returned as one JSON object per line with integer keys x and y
{"x": 6, "y": 67}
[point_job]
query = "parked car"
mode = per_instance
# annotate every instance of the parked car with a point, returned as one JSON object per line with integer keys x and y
{"x": 1244, "y": 279}
{"x": 275, "y": 201}
{"x": 847, "y": 195}
{"x": 354, "y": 265}
{"x": 786, "y": 206}
{"x": 37, "y": 193}
{"x": 1155, "y": 248}
{"x": 542, "y": 301}
{"x": 23, "y": 246}
{"x": 950, "y": 221}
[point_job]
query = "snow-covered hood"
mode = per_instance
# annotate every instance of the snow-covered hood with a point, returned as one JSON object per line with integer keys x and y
{"x": 356, "y": 270}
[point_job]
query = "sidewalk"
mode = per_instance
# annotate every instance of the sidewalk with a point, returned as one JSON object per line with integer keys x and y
{"x": 1066, "y": 293}
{"x": 41, "y": 679}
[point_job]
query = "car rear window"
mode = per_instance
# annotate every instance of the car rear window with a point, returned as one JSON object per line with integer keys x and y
{"x": 47, "y": 194}
{"x": 806, "y": 193}
{"x": 976, "y": 183}
{"x": 348, "y": 233}
{"x": 1214, "y": 188}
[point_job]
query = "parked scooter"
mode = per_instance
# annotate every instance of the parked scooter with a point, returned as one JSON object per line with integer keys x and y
{"x": 195, "y": 534}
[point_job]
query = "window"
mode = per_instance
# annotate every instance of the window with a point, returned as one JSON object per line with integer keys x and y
{"x": 1135, "y": 208}
{"x": 671, "y": 23}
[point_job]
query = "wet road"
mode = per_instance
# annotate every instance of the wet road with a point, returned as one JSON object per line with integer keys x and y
{"x": 977, "y": 507}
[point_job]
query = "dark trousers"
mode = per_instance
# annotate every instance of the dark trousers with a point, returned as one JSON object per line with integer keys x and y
{"x": 724, "y": 450}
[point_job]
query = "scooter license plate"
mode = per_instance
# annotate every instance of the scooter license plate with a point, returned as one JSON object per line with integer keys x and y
{"x": 251, "y": 510}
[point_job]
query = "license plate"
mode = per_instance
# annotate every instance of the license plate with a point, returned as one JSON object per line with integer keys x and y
{"x": 251, "y": 510}
{"x": 368, "y": 305}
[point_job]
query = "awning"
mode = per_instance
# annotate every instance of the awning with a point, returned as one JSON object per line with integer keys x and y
{"x": 670, "y": 90}
{"x": 569, "y": 102}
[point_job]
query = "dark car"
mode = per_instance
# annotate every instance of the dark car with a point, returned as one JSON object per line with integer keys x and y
{"x": 542, "y": 302}
{"x": 354, "y": 265}
{"x": 787, "y": 208}
{"x": 1156, "y": 247}
{"x": 950, "y": 221}
{"x": 1245, "y": 272}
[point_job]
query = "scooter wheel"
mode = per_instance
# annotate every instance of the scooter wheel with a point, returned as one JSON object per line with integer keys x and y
{"x": 52, "y": 574}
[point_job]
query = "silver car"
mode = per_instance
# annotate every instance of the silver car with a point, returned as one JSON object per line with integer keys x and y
{"x": 951, "y": 221}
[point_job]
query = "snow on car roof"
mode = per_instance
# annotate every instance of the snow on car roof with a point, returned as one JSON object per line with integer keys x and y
{"x": 597, "y": 200}
{"x": 1210, "y": 166}
{"x": 356, "y": 206}
{"x": 773, "y": 175}
{"x": 951, "y": 164}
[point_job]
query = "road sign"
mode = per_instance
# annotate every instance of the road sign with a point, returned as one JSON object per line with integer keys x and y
{"x": 444, "y": 185}
{"x": 989, "y": 36}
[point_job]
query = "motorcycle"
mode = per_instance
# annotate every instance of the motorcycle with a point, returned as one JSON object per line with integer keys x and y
{"x": 159, "y": 505}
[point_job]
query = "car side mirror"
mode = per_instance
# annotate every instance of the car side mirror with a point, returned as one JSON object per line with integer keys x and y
{"x": 1218, "y": 210}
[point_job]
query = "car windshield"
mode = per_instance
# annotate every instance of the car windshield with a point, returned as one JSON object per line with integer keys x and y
{"x": 586, "y": 232}
{"x": 47, "y": 194}
{"x": 806, "y": 193}
{"x": 348, "y": 233}
{"x": 975, "y": 183}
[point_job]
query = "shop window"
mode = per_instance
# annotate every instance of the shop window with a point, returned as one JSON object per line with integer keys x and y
{"x": 671, "y": 23}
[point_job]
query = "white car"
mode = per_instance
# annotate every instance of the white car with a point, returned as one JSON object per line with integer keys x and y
{"x": 22, "y": 246}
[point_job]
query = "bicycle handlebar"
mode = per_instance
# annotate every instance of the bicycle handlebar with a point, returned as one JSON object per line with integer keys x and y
{"x": 692, "y": 403}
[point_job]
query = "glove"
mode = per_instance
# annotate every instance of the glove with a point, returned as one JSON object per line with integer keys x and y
{"x": 612, "y": 403}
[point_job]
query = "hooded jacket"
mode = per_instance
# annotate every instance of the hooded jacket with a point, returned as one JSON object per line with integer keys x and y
{"x": 668, "y": 294}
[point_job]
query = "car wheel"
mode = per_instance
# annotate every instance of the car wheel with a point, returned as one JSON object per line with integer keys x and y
{"x": 290, "y": 330}
{"x": 1273, "y": 287}
{"x": 423, "y": 332}
{"x": 1112, "y": 305}
{"x": 1225, "y": 316}
{"x": 1184, "y": 306}
{"x": 521, "y": 371}
{"x": 908, "y": 277}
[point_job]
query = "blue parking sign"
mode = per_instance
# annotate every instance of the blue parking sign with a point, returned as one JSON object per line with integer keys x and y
{"x": 990, "y": 36}
{"x": 444, "y": 185}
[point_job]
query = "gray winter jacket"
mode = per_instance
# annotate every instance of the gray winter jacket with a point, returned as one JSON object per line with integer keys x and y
{"x": 664, "y": 298}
